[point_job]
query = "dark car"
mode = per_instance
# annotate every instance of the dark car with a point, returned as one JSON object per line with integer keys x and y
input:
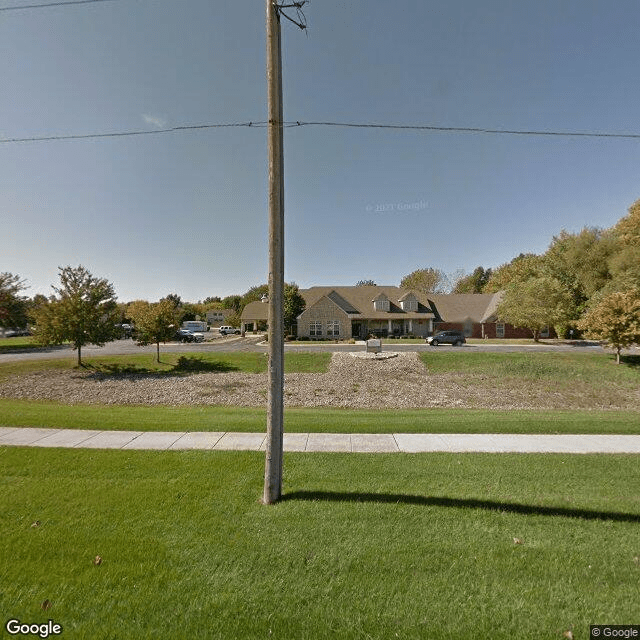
{"x": 184, "y": 335}
{"x": 456, "y": 338}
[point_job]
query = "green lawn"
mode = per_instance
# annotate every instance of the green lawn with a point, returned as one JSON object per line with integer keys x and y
{"x": 24, "y": 413}
{"x": 436, "y": 546}
{"x": 15, "y": 343}
{"x": 173, "y": 363}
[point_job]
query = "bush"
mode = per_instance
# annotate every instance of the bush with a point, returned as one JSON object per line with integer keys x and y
{"x": 303, "y": 338}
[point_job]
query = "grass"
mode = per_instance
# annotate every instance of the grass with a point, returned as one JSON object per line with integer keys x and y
{"x": 16, "y": 343}
{"x": 24, "y": 413}
{"x": 436, "y": 546}
{"x": 173, "y": 363}
{"x": 596, "y": 369}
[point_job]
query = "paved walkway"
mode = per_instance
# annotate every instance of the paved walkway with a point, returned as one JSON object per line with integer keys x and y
{"x": 321, "y": 442}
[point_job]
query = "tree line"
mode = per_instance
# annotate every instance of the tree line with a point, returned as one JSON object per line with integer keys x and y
{"x": 84, "y": 310}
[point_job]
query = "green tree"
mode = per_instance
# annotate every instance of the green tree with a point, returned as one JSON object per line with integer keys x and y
{"x": 521, "y": 268}
{"x": 13, "y": 306}
{"x": 254, "y": 294}
{"x": 154, "y": 322}
{"x": 293, "y": 304}
{"x": 427, "y": 280}
{"x": 624, "y": 264}
{"x": 579, "y": 261}
{"x": 474, "y": 282}
{"x": 233, "y": 302}
{"x": 614, "y": 319}
{"x": 174, "y": 298}
{"x": 82, "y": 311}
{"x": 534, "y": 304}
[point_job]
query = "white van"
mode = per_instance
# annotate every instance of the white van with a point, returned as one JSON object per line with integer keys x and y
{"x": 195, "y": 325}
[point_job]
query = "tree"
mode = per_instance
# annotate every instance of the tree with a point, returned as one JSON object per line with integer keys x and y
{"x": 154, "y": 322}
{"x": 174, "y": 298}
{"x": 474, "y": 282}
{"x": 625, "y": 262}
{"x": 294, "y": 305}
{"x": 13, "y": 306}
{"x": 579, "y": 261}
{"x": 615, "y": 319}
{"x": 534, "y": 304}
{"x": 254, "y": 294}
{"x": 233, "y": 302}
{"x": 83, "y": 311}
{"x": 520, "y": 269}
{"x": 366, "y": 283}
{"x": 427, "y": 280}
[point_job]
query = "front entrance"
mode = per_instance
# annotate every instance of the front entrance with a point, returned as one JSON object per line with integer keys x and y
{"x": 356, "y": 330}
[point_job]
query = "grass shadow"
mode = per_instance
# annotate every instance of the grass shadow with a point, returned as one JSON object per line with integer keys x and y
{"x": 192, "y": 364}
{"x": 630, "y": 361}
{"x": 184, "y": 366}
{"x": 461, "y": 503}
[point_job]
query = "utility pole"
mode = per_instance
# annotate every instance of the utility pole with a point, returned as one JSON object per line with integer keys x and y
{"x": 275, "y": 400}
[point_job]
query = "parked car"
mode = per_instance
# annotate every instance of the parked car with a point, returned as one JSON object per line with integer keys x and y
{"x": 456, "y": 338}
{"x": 226, "y": 330}
{"x": 184, "y": 335}
{"x": 124, "y": 330}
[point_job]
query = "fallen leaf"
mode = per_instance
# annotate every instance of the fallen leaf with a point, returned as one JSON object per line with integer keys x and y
{"x": 46, "y": 605}
{"x": 36, "y": 524}
{"x": 518, "y": 541}
{"x": 568, "y": 634}
{"x": 636, "y": 559}
{"x": 97, "y": 560}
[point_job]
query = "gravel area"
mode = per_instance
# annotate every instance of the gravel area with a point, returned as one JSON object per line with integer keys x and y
{"x": 400, "y": 382}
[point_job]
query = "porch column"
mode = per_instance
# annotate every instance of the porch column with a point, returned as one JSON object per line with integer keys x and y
{"x": 390, "y": 328}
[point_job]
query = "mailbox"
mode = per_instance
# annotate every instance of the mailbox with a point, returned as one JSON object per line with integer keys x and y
{"x": 374, "y": 345}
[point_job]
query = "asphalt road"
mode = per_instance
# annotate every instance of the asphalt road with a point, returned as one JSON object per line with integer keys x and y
{"x": 254, "y": 343}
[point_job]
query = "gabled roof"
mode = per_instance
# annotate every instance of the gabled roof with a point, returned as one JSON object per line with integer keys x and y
{"x": 458, "y": 307}
{"x": 345, "y": 305}
{"x": 358, "y": 301}
{"x": 256, "y": 311}
{"x": 455, "y": 307}
{"x": 410, "y": 295}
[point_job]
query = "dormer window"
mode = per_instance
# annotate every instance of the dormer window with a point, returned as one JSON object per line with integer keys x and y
{"x": 409, "y": 303}
{"x": 381, "y": 303}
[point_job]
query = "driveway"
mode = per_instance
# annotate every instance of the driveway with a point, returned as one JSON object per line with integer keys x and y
{"x": 256, "y": 343}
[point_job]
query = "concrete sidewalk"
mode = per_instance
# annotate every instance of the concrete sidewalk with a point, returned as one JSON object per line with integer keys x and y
{"x": 321, "y": 442}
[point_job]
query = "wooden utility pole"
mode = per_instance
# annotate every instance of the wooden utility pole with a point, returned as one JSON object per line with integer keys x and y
{"x": 275, "y": 402}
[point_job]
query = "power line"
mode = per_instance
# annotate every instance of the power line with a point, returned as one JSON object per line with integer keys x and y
{"x": 123, "y": 134}
{"x": 50, "y": 4}
{"x": 583, "y": 134}
{"x": 299, "y": 123}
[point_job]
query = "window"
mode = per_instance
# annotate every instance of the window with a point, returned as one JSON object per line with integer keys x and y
{"x": 333, "y": 328}
{"x": 499, "y": 329}
{"x": 315, "y": 328}
{"x": 409, "y": 305}
{"x": 381, "y": 305}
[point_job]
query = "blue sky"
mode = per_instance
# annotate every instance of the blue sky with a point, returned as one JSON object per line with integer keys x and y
{"x": 186, "y": 212}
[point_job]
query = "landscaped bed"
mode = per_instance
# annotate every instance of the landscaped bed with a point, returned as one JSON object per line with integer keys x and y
{"x": 494, "y": 381}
